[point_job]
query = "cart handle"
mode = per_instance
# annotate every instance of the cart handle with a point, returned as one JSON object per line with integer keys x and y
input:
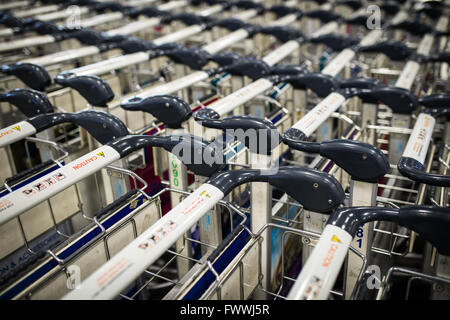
{"x": 33, "y": 75}
{"x": 263, "y": 138}
{"x": 322, "y": 267}
{"x": 103, "y": 126}
{"x": 313, "y": 189}
{"x": 430, "y": 222}
{"x": 323, "y": 15}
{"x": 337, "y": 42}
{"x": 395, "y": 50}
{"x": 282, "y": 33}
{"x": 30, "y": 102}
{"x": 169, "y": 109}
{"x": 200, "y": 156}
{"x": 282, "y": 10}
{"x": 413, "y": 27}
{"x": 92, "y": 88}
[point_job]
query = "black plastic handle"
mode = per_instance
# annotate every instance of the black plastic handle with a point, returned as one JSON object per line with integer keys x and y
{"x": 352, "y": 4}
{"x": 193, "y": 57}
{"x": 400, "y": 100}
{"x": 44, "y": 27}
{"x": 287, "y": 68}
{"x": 441, "y": 57}
{"x": 335, "y": 41}
{"x": 432, "y": 223}
{"x": 200, "y": 156}
{"x": 314, "y": 190}
{"x": 248, "y": 4}
{"x": 231, "y": 24}
{"x": 412, "y": 169}
{"x": 413, "y": 27}
{"x": 168, "y": 109}
{"x": 396, "y": 51}
{"x": 30, "y": 102}
{"x": 323, "y": 15}
{"x": 250, "y": 67}
{"x": 12, "y": 22}
{"x": 132, "y": 45}
{"x": 437, "y": 100}
{"x": 282, "y": 10}
{"x": 92, "y": 88}
{"x": 362, "y": 161}
{"x": 187, "y": 18}
{"x": 321, "y": 84}
{"x": 88, "y": 36}
{"x": 104, "y": 127}
{"x": 360, "y": 83}
{"x": 258, "y": 135}
{"x": 113, "y": 6}
{"x": 226, "y": 58}
{"x": 282, "y": 34}
{"x": 33, "y": 75}
{"x": 149, "y": 11}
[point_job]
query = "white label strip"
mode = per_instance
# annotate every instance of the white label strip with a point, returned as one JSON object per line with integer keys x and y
{"x": 13, "y": 5}
{"x": 134, "y": 27}
{"x": 174, "y": 85}
{"x": 237, "y": 98}
{"x": 442, "y": 24}
{"x": 284, "y": 21}
{"x": 105, "y": 66}
{"x": 425, "y": 45}
{"x": 339, "y": 62}
{"x": 210, "y": 11}
{"x": 320, "y": 271}
{"x": 371, "y": 38}
{"x": 172, "y": 5}
{"x": 408, "y": 75}
{"x": 114, "y": 276}
{"x": 24, "y": 43}
{"x": 6, "y": 32}
{"x": 281, "y": 52}
{"x": 135, "y": 3}
{"x": 101, "y": 18}
{"x": 247, "y": 14}
{"x": 16, "y": 132}
{"x": 63, "y": 56}
{"x": 20, "y": 200}
{"x": 226, "y": 41}
{"x": 60, "y": 14}
{"x": 35, "y": 11}
{"x": 328, "y": 28}
{"x": 399, "y": 17}
{"x": 291, "y": 3}
{"x": 321, "y": 112}
{"x": 419, "y": 139}
{"x": 179, "y": 35}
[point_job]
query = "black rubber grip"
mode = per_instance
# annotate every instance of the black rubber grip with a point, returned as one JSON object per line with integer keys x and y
{"x": 224, "y": 243}
{"x": 28, "y": 172}
{"x": 116, "y": 204}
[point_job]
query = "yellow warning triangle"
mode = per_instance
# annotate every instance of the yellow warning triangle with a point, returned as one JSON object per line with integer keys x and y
{"x": 16, "y": 128}
{"x": 101, "y": 154}
{"x": 335, "y": 239}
